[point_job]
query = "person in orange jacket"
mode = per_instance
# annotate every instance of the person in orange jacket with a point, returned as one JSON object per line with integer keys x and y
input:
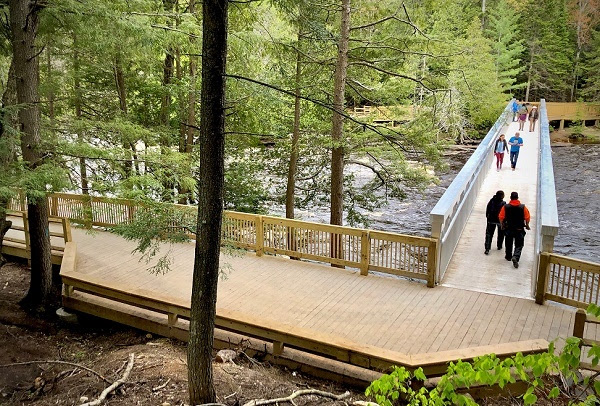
{"x": 514, "y": 218}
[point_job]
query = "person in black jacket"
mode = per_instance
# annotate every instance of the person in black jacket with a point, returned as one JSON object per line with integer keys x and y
{"x": 491, "y": 213}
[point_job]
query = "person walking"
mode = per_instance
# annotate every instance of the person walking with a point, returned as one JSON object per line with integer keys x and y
{"x": 533, "y": 117}
{"x": 515, "y": 109}
{"x": 514, "y": 217}
{"x": 522, "y": 116}
{"x": 492, "y": 211}
{"x": 499, "y": 149}
{"x": 515, "y": 143}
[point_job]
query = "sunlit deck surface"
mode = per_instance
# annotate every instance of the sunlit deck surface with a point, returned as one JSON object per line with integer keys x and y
{"x": 385, "y": 312}
{"x": 469, "y": 268}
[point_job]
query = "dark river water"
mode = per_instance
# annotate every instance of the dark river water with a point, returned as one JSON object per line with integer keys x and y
{"x": 578, "y": 197}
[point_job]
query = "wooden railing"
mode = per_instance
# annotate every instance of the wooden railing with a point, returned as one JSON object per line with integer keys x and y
{"x": 567, "y": 280}
{"x": 579, "y": 330}
{"x": 397, "y": 254}
{"x": 16, "y": 240}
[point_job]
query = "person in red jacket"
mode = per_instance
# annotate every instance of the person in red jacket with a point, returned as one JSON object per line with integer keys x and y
{"x": 514, "y": 218}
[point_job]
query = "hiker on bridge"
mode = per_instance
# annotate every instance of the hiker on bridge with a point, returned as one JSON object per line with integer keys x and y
{"x": 499, "y": 149}
{"x": 514, "y": 218}
{"x": 491, "y": 213}
{"x": 533, "y": 117}
{"x": 515, "y": 109}
{"x": 515, "y": 143}
{"x": 522, "y": 116}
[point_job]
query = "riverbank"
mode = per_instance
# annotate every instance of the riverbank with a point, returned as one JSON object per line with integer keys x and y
{"x": 575, "y": 135}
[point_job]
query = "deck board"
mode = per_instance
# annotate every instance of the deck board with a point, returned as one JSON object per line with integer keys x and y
{"x": 387, "y": 312}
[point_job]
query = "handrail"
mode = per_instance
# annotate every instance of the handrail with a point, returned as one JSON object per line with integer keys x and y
{"x": 17, "y": 240}
{"x": 547, "y": 210}
{"x": 450, "y": 214}
{"x": 570, "y": 281}
{"x": 367, "y": 250}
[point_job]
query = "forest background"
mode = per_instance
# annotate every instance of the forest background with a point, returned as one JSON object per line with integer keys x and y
{"x": 120, "y": 80}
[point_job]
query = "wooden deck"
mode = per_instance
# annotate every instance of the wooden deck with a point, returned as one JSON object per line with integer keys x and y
{"x": 382, "y": 312}
{"x": 469, "y": 268}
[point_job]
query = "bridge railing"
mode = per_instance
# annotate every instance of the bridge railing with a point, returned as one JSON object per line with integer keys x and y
{"x": 367, "y": 250}
{"x": 547, "y": 211}
{"x": 450, "y": 214}
{"x": 567, "y": 280}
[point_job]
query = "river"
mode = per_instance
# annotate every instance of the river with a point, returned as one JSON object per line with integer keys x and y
{"x": 578, "y": 198}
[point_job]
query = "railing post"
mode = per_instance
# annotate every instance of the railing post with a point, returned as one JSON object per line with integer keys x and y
{"x": 130, "y": 211}
{"x": 437, "y": 222}
{"x": 260, "y": 236}
{"x": 365, "y": 253}
{"x": 26, "y": 231}
{"x": 66, "y": 225}
{"x": 22, "y": 201}
{"x": 53, "y": 205}
{"x": 579, "y": 325}
{"x": 540, "y": 292}
{"x": 432, "y": 256}
{"x": 88, "y": 217}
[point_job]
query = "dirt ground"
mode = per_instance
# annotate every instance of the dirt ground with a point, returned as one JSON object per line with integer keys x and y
{"x": 104, "y": 347}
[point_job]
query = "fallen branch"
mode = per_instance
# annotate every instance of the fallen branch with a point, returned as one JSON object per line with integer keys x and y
{"x": 304, "y": 392}
{"x": 57, "y": 362}
{"x": 159, "y": 387}
{"x": 115, "y": 384}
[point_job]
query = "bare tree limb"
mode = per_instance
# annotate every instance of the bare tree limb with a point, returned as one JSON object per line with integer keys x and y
{"x": 57, "y": 362}
{"x": 166, "y": 28}
{"x": 115, "y": 384}
{"x": 294, "y": 395}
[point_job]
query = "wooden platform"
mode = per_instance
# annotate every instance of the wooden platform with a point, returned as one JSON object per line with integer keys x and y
{"x": 379, "y": 312}
{"x": 469, "y": 268}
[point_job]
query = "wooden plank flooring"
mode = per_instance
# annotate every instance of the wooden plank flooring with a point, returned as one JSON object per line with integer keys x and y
{"x": 469, "y": 268}
{"x": 381, "y": 311}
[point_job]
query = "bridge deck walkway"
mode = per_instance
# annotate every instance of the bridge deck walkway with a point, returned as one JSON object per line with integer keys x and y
{"x": 469, "y": 268}
{"x": 381, "y": 311}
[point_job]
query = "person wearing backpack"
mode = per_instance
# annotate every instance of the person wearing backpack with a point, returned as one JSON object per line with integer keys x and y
{"x": 491, "y": 214}
{"x": 514, "y": 218}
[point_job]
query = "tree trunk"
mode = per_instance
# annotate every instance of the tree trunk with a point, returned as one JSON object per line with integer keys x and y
{"x": 190, "y": 130}
{"x": 120, "y": 83}
{"x": 77, "y": 91}
{"x": 8, "y": 142}
{"x": 122, "y": 94}
{"x": 51, "y": 113}
{"x": 210, "y": 202}
{"x": 24, "y": 21}
{"x": 293, "y": 166}
{"x": 529, "y": 76}
{"x": 337, "y": 131}
{"x": 165, "y": 104}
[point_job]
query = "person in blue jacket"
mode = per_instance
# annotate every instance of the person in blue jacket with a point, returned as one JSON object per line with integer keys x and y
{"x": 515, "y": 143}
{"x": 515, "y": 108}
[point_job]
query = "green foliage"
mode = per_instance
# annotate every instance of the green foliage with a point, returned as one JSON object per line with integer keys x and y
{"x": 401, "y": 387}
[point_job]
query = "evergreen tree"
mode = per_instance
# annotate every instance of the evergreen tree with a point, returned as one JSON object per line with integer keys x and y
{"x": 503, "y": 30}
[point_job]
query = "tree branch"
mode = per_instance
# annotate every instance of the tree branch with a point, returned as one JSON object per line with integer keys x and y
{"x": 57, "y": 362}
{"x": 294, "y": 395}
{"x": 115, "y": 384}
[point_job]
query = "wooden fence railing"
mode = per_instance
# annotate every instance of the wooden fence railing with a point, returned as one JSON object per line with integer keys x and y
{"x": 567, "y": 280}
{"x": 16, "y": 240}
{"x": 366, "y": 250}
